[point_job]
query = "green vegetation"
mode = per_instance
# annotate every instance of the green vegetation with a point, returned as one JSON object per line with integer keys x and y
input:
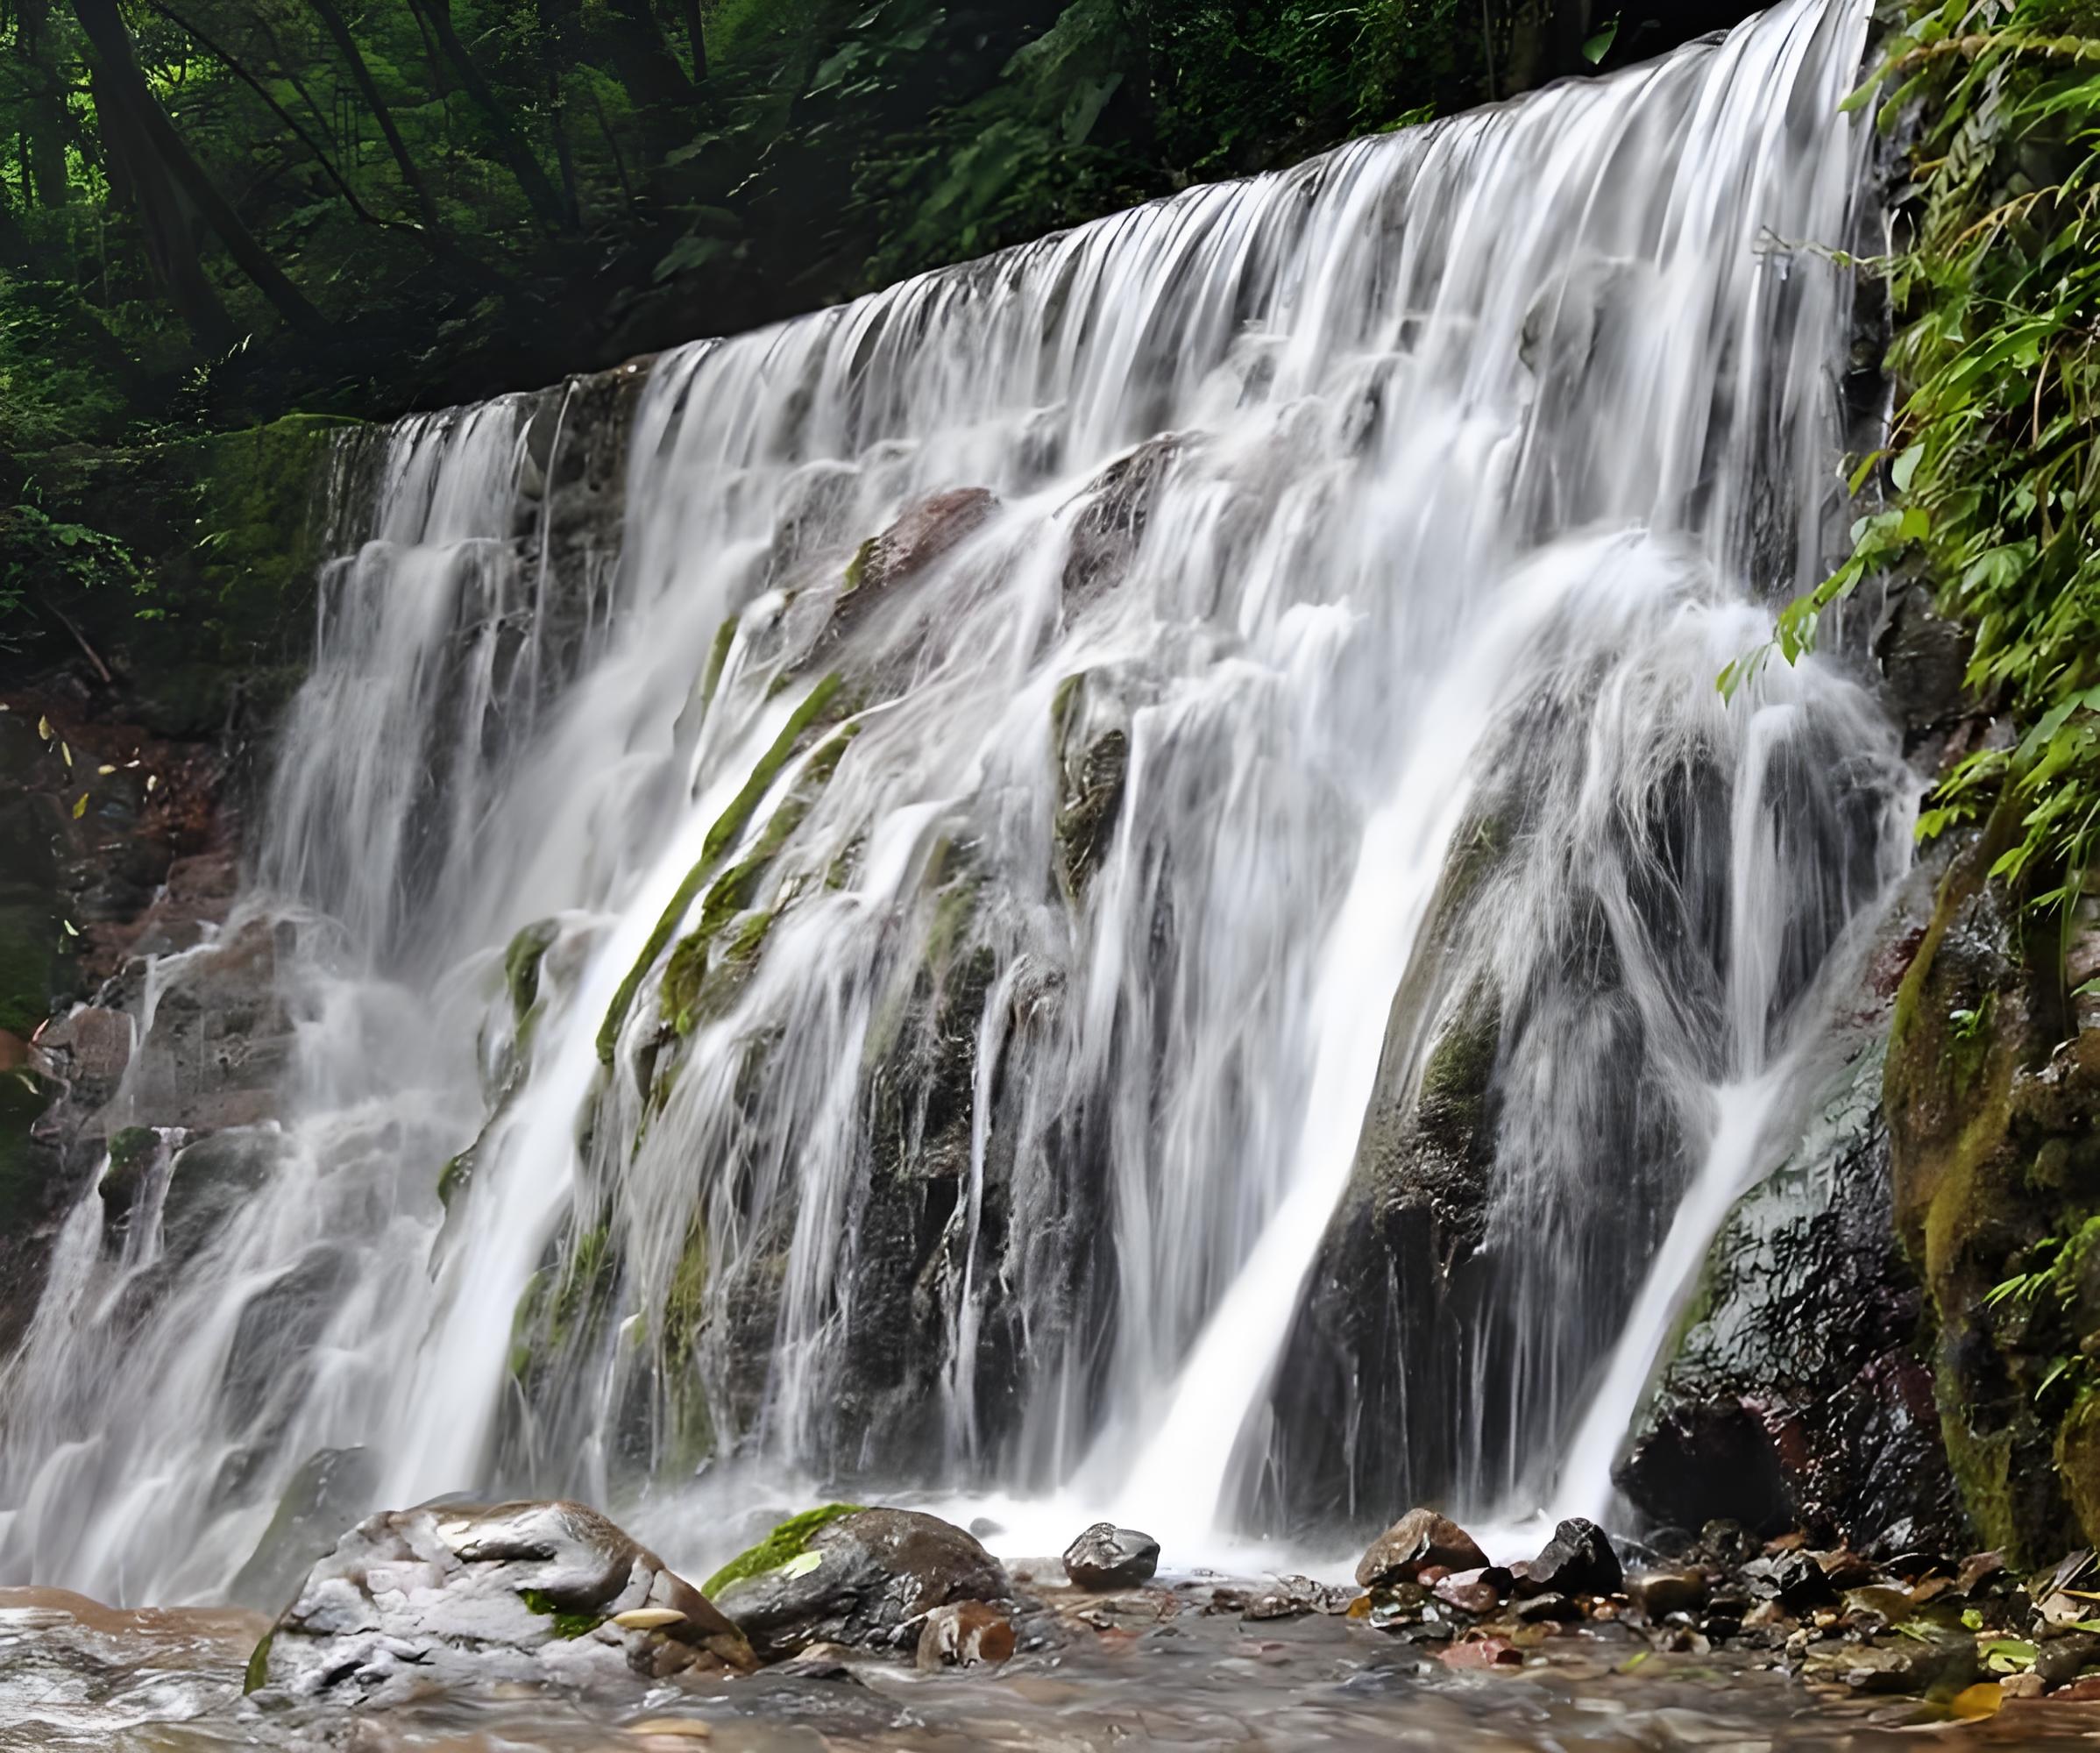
{"x": 258, "y": 1675}
{"x": 566, "y": 1624}
{"x": 782, "y": 1546}
{"x": 1994, "y": 465}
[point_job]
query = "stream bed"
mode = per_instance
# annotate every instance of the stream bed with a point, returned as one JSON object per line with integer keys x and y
{"x": 1148, "y": 1667}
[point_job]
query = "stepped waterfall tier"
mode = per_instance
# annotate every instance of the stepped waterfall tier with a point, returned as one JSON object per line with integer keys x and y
{"x": 1115, "y": 878}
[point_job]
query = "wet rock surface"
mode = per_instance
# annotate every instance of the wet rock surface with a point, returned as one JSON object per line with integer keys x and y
{"x": 865, "y": 1579}
{"x": 1106, "y": 1557}
{"x": 1965, "y": 1649}
{"x": 465, "y": 1595}
{"x": 1419, "y": 1538}
{"x": 1799, "y": 1389}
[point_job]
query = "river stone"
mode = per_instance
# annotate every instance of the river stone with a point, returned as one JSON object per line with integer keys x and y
{"x": 963, "y": 1634}
{"x": 867, "y": 1579}
{"x": 1106, "y": 1557}
{"x": 1659, "y": 1593}
{"x": 1418, "y": 1540}
{"x": 456, "y": 1595}
{"x": 1578, "y": 1559}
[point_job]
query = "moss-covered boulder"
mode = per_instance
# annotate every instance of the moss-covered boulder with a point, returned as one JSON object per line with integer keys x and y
{"x": 864, "y": 1577}
{"x": 1992, "y": 1093}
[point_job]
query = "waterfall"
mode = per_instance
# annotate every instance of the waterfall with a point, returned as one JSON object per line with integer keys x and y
{"x": 1116, "y": 871}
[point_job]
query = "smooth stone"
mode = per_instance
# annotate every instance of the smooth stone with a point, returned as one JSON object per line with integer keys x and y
{"x": 1106, "y": 1557}
{"x": 1659, "y": 1593}
{"x": 1418, "y": 1540}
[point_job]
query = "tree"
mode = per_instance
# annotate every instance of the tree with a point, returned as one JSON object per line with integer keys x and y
{"x": 161, "y": 166}
{"x": 510, "y": 143}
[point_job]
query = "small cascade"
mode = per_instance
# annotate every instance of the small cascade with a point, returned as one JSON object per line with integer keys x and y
{"x": 1116, "y": 872}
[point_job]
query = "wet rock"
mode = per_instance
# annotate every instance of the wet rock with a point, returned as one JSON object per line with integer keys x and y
{"x": 221, "y": 1037}
{"x": 1791, "y": 1578}
{"x": 1292, "y": 1598}
{"x": 1843, "y": 1568}
{"x": 1578, "y": 1559}
{"x": 328, "y": 1496}
{"x": 1470, "y": 1595}
{"x": 463, "y": 1595}
{"x": 964, "y": 1634}
{"x": 862, "y": 1578}
{"x": 1659, "y": 1593}
{"x": 1482, "y": 1652}
{"x": 87, "y": 1050}
{"x": 1109, "y": 528}
{"x": 1106, "y": 1557}
{"x": 1419, "y": 1539}
{"x": 1545, "y": 1609}
{"x": 1922, "y": 1666}
{"x": 923, "y": 532}
{"x": 1798, "y": 1386}
{"x": 209, "y": 1181}
{"x": 2059, "y": 1660}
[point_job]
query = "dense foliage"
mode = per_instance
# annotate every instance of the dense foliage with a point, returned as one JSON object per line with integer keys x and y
{"x": 1994, "y": 467}
{"x": 215, "y": 208}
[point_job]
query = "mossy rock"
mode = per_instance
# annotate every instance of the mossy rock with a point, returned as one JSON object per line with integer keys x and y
{"x": 1992, "y": 1096}
{"x": 521, "y": 962}
{"x": 788, "y": 1542}
{"x": 820, "y": 706}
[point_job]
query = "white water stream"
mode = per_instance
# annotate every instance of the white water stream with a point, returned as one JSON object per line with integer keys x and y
{"x": 950, "y": 1083}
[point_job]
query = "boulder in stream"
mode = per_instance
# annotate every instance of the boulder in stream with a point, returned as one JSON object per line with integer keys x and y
{"x": 864, "y": 1577}
{"x": 462, "y": 1595}
{"x": 1420, "y": 1539}
{"x": 1106, "y": 1557}
{"x": 1578, "y": 1559}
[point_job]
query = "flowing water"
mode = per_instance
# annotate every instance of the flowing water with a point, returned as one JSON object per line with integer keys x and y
{"x": 975, "y": 964}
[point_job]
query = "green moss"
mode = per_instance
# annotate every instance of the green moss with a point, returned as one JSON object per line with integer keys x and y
{"x": 522, "y": 965}
{"x": 721, "y": 837}
{"x": 718, "y": 658}
{"x": 690, "y": 1436}
{"x": 2078, "y": 1462}
{"x": 856, "y": 568}
{"x": 566, "y": 1624}
{"x": 786, "y": 1543}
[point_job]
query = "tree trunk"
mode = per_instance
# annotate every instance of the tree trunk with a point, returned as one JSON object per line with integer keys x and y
{"x": 644, "y": 64}
{"x": 141, "y": 182}
{"x": 149, "y": 125}
{"x": 43, "y": 109}
{"x": 695, "y": 38}
{"x": 539, "y": 192}
{"x": 360, "y": 74}
{"x": 18, "y": 256}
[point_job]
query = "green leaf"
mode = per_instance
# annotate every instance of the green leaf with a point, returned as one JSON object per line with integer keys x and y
{"x": 1599, "y": 45}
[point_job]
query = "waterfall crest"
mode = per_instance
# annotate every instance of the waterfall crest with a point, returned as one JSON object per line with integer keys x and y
{"x": 1115, "y": 870}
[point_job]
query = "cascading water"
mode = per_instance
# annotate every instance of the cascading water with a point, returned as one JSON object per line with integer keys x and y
{"x": 1121, "y": 872}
